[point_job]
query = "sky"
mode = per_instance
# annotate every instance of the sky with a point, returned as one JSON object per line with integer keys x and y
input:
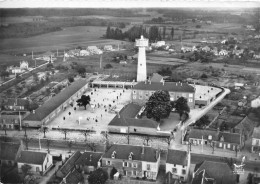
{"x": 128, "y": 3}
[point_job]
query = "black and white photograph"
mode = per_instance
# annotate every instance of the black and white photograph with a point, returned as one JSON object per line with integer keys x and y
{"x": 129, "y": 91}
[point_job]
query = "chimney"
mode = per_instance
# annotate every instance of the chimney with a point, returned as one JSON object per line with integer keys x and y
{"x": 143, "y": 149}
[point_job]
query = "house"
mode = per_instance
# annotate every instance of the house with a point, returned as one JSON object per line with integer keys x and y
{"x": 215, "y": 51}
{"x": 186, "y": 49}
{"x": 69, "y": 165}
{"x": 94, "y": 50}
{"x": 223, "y": 52}
{"x": 143, "y": 90}
{"x": 9, "y": 153}
{"x": 245, "y": 127}
{"x": 221, "y": 140}
{"x": 40, "y": 162}
{"x": 122, "y": 62}
{"x": 73, "y": 177}
{"x": 224, "y": 41}
{"x": 12, "y": 119}
{"x": 16, "y": 104}
{"x": 256, "y": 140}
{"x": 178, "y": 164}
{"x": 238, "y": 53}
{"x": 206, "y": 49}
{"x": 210, "y": 172}
{"x": 256, "y": 56}
{"x": 126, "y": 121}
{"x": 24, "y": 65}
{"x": 88, "y": 162}
{"x": 158, "y": 44}
{"x": 84, "y": 53}
{"x": 132, "y": 161}
{"x": 156, "y": 78}
{"x": 108, "y": 48}
{"x": 256, "y": 102}
{"x": 238, "y": 85}
{"x": 194, "y": 48}
{"x": 51, "y": 108}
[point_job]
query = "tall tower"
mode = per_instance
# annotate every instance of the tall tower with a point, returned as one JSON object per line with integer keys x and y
{"x": 141, "y": 66}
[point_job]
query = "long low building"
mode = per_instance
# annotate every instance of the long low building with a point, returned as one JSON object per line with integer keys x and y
{"x": 52, "y": 107}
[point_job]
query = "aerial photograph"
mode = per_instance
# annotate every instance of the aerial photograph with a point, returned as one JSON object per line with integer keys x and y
{"x": 129, "y": 92}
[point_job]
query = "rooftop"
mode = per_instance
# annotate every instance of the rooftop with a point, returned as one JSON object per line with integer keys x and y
{"x": 31, "y": 157}
{"x": 74, "y": 177}
{"x": 168, "y": 86}
{"x": 123, "y": 152}
{"x": 16, "y": 102}
{"x": 8, "y": 150}
{"x": 56, "y": 101}
{"x": 89, "y": 159}
{"x": 256, "y": 133}
{"x": 221, "y": 172}
{"x": 176, "y": 157}
{"x": 156, "y": 77}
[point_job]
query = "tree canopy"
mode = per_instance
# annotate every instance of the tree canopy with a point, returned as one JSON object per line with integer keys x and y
{"x": 98, "y": 176}
{"x": 84, "y": 101}
{"x": 181, "y": 106}
{"x": 158, "y": 106}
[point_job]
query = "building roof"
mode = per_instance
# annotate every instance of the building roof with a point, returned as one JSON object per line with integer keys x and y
{"x": 156, "y": 77}
{"x": 74, "y": 177}
{"x": 177, "y": 157}
{"x": 8, "y": 150}
{"x": 123, "y": 151}
{"x": 89, "y": 159}
{"x": 246, "y": 125}
{"x": 16, "y": 102}
{"x": 56, "y": 101}
{"x": 220, "y": 171}
{"x": 168, "y": 86}
{"x": 256, "y": 133}
{"x": 127, "y": 117}
{"x": 31, "y": 157}
{"x": 69, "y": 164}
{"x": 230, "y": 137}
{"x": 202, "y": 177}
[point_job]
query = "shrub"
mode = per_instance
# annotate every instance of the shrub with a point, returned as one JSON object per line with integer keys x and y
{"x": 204, "y": 76}
{"x": 107, "y": 66}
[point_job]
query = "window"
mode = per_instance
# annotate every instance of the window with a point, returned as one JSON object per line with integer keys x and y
{"x": 140, "y": 97}
{"x": 147, "y": 94}
{"x": 125, "y": 173}
{"x": 108, "y": 162}
{"x": 134, "y": 165}
{"x": 182, "y": 178}
{"x": 124, "y": 164}
{"x": 134, "y": 173}
{"x": 228, "y": 145}
{"x": 37, "y": 169}
{"x": 257, "y": 141}
{"x": 174, "y": 170}
{"x": 148, "y": 166}
{"x": 134, "y": 92}
{"x": 183, "y": 171}
{"x": 220, "y": 144}
{"x": 190, "y": 95}
{"x": 190, "y": 100}
{"x": 183, "y": 166}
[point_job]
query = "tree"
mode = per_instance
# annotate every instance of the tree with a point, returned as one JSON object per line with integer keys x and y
{"x": 25, "y": 169}
{"x": 48, "y": 143}
{"x": 158, "y": 106}
{"x": 181, "y": 106}
{"x": 98, "y": 176}
{"x": 70, "y": 144}
{"x": 172, "y": 32}
{"x": 81, "y": 70}
{"x": 83, "y": 101}
{"x": 44, "y": 130}
{"x": 112, "y": 173}
{"x": 153, "y": 33}
{"x": 71, "y": 78}
{"x": 35, "y": 78}
{"x": 85, "y": 133}
{"x": 27, "y": 140}
{"x": 147, "y": 139}
{"x": 107, "y": 66}
{"x": 4, "y": 74}
{"x": 92, "y": 146}
{"x": 108, "y": 32}
{"x": 250, "y": 178}
{"x": 65, "y": 132}
{"x": 164, "y": 32}
{"x": 203, "y": 121}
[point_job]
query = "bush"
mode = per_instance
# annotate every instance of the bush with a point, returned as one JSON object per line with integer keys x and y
{"x": 107, "y": 66}
{"x": 204, "y": 76}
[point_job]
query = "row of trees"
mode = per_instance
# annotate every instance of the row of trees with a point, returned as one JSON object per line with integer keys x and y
{"x": 154, "y": 33}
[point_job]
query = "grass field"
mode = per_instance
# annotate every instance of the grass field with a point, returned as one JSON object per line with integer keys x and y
{"x": 70, "y": 37}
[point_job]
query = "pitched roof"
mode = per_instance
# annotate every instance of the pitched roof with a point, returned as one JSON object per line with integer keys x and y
{"x": 220, "y": 171}
{"x": 74, "y": 177}
{"x": 168, "y": 86}
{"x": 176, "y": 157}
{"x": 123, "y": 152}
{"x": 127, "y": 117}
{"x": 230, "y": 137}
{"x": 89, "y": 159}
{"x": 8, "y": 150}
{"x": 202, "y": 177}
{"x": 31, "y": 157}
{"x": 16, "y": 102}
{"x": 69, "y": 164}
{"x": 256, "y": 133}
{"x": 55, "y": 102}
{"x": 156, "y": 77}
{"x": 198, "y": 133}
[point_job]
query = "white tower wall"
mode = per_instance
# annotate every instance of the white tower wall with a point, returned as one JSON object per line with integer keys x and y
{"x": 141, "y": 66}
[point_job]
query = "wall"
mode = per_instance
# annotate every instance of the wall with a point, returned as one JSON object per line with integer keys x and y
{"x": 47, "y": 162}
{"x": 154, "y": 167}
{"x": 179, "y": 168}
{"x": 32, "y": 170}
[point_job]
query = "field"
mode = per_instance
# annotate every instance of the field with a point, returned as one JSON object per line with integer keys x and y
{"x": 70, "y": 37}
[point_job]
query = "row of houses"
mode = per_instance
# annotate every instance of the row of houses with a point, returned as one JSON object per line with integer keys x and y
{"x": 124, "y": 162}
